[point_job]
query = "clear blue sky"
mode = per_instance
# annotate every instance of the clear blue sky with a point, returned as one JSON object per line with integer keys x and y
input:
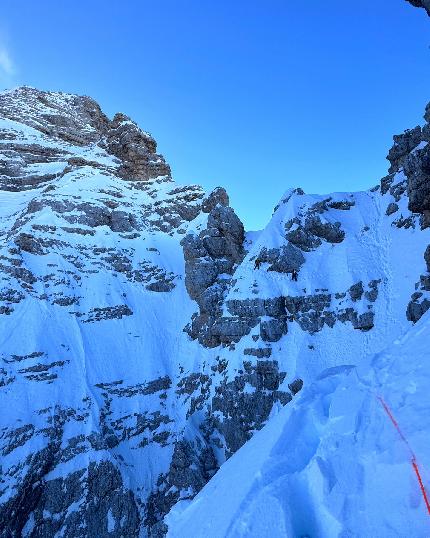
{"x": 253, "y": 95}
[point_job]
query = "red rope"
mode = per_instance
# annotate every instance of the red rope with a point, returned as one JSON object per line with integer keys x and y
{"x": 413, "y": 460}
{"x": 423, "y": 489}
{"x": 394, "y": 421}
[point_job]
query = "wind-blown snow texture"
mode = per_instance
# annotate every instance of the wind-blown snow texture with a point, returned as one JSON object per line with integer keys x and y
{"x": 140, "y": 349}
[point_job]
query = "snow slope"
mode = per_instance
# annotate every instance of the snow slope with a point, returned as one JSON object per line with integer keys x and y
{"x": 332, "y": 464}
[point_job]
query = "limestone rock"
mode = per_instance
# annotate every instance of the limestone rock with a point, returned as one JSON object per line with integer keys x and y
{"x": 136, "y": 149}
{"x": 427, "y": 258}
{"x": 356, "y": 291}
{"x": 70, "y": 118}
{"x": 312, "y": 230}
{"x": 417, "y": 307}
{"x": 209, "y": 258}
{"x": 417, "y": 170}
{"x": 403, "y": 145}
{"x": 272, "y": 330}
{"x": 74, "y": 122}
{"x": 217, "y": 196}
{"x": 237, "y": 412}
{"x": 284, "y": 259}
{"x": 391, "y": 208}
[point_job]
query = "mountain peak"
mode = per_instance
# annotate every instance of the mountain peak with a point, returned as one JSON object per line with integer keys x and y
{"x": 69, "y": 128}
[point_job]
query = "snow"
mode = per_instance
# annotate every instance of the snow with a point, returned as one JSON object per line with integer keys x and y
{"x": 373, "y": 249}
{"x": 421, "y": 145}
{"x": 110, "y": 521}
{"x": 330, "y": 464}
{"x": 152, "y": 343}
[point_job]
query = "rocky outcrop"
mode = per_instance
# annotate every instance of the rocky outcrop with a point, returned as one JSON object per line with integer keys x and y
{"x": 210, "y": 260}
{"x": 410, "y": 156}
{"x": 285, "y": 259}
{"x": 78, "y": 126}
{"x": 243, "y": 405}
{"x": 227, "y": 413}
{"x": 403, "y": 145}
{"x": 411, "y": 153}
{"x": 308, "y": 233}
{"x": 217, "y": 196}
{"x": 311, "y": 312}
{"x": 417, "y": 170}
{"x": 392, "y": 208}
{"x": 91, "y": 502}
{"x": 192, "y": 466}
{"x": 74, "y": 119}
{"x": 420, "y": 299}
{"x": 427, "y": 258}
{"x": 417, "y": 307}
{"x": 136, "y": 150}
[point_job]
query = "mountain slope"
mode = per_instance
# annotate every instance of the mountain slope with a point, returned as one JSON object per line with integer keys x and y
{"x": 332, "y": 464}
{"x": 140, "y": 349}
{"x": 105, "y": 391}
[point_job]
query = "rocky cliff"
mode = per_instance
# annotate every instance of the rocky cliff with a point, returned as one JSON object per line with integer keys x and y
{"x": 114, "y": 413}
{"x": 140, "y": 346}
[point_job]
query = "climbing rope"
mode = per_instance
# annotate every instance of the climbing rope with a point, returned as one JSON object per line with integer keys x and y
{"x": 413, "y": 457}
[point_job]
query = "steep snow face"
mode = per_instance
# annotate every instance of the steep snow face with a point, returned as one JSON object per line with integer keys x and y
{"x": 333, "y": 463}
{"x": 140, "y": 348}
{"x": 107, "y": 398}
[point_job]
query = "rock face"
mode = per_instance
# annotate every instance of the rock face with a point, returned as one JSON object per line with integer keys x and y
{"x": 136, "y": 150}
{"x": 403, "y": 145}
{"x": 92, "y": 225}
{"x": 146, "y": 295}
{"x": 427, "y": 258}
{"x": 106, "y": 508}
{"x": 411, "y": 155}
{"x": 74, "y": 123}
{"x": 211, "y": 257}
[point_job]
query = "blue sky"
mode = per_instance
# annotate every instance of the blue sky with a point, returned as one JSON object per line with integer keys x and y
{"x": 255, "y": 96}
